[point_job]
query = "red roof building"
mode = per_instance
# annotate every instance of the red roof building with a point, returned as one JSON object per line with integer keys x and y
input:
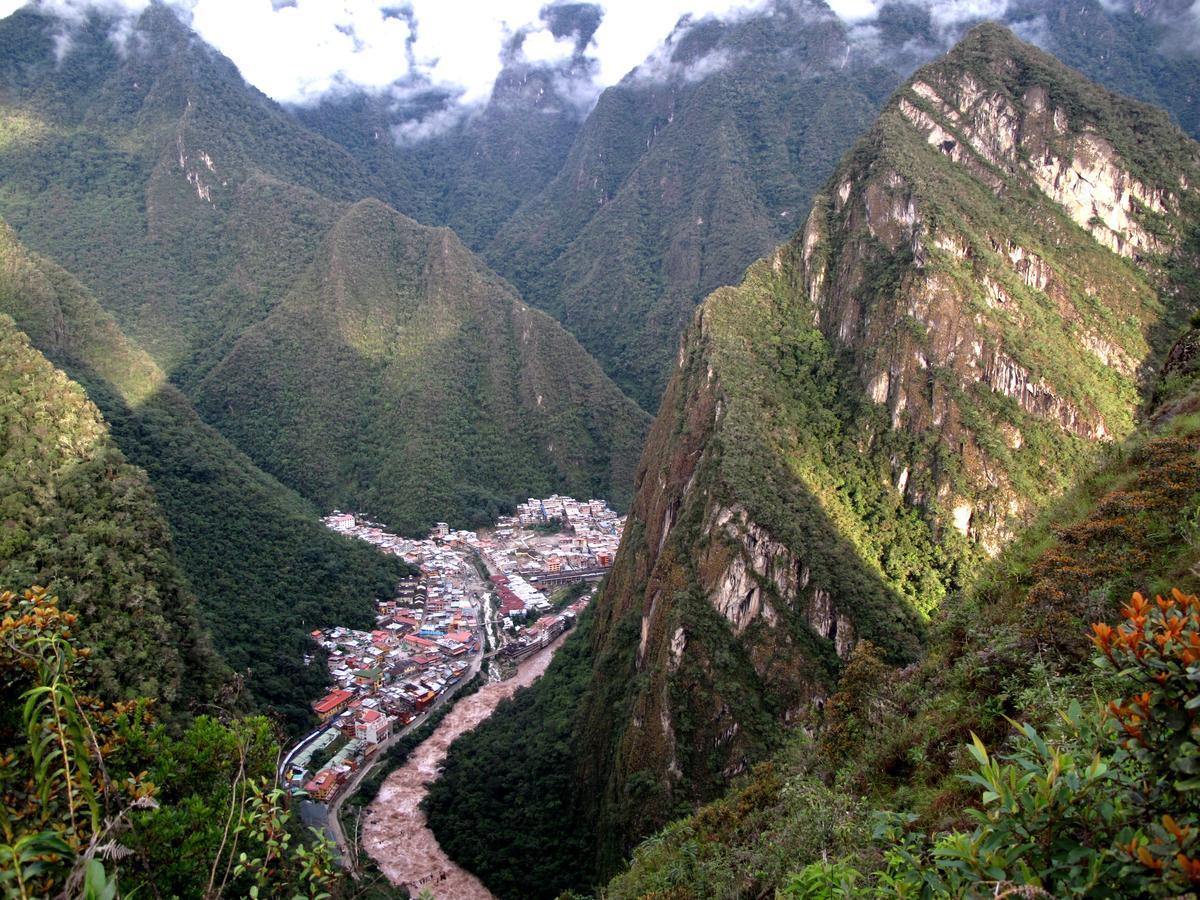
{"x": 420, "y": 642}
{"x": 322, "y": 785}
{"x": 332, "y": 704}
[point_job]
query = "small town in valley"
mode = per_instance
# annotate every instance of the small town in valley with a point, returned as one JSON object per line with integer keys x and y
{"x": 482, "y": 600}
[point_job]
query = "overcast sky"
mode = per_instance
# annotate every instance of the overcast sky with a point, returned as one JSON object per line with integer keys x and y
{"x": 299, "y": 50}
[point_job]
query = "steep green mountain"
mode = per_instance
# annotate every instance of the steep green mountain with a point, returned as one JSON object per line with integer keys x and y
{"x": 691, "y": 167}
{"x": 1015, "y": 645}
{"x": 709, "y": 154}
{"x": 1144, "y": 49}
{"x": 144, "y": 169}
{"x": 401, "y": 376}
{"x": 879, "y": 406}
{"x": 84, "y": 523}
{"x": 207, "y": 220}
{"x": 264, "y": 570}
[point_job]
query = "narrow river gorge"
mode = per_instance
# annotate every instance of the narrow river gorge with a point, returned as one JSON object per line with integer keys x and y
{"x": 395, "y": 832}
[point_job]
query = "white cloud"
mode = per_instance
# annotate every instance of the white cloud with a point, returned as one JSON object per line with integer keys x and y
{"x": 856, "y": 10}
{"x": 946, "y": 15}
{"x": 299, "y": 50}
{"x": 543, "y": 47}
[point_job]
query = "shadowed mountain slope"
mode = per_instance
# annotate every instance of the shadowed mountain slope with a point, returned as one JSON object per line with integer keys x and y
{"x": 82, "y": 522}
{"x": 264, "y": 570}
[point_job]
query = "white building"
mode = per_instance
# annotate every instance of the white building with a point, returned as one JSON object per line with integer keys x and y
{"x": 372, "y": 726}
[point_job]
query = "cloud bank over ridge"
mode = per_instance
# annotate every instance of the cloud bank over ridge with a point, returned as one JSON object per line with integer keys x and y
{"x": 300, "y": 51}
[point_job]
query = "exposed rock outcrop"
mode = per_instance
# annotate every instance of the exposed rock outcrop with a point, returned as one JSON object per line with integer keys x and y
{"x": 882, "y": 403}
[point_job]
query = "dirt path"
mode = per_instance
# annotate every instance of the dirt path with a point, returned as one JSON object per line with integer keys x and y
{"x": 394, "y": 831}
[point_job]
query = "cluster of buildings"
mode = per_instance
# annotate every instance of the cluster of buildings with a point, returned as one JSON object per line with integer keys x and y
{"x": 424, "y": 642}
{"x": 588, "y": 535}
{"x": 541, "y": 633}
{"x": 439, "y": 553}
{"x": 428, "y": 637}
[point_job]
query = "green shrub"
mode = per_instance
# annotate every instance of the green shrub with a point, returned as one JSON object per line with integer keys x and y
{"x": 1106, "y": 802}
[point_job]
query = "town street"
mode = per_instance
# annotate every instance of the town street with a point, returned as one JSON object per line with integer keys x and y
{"x": 509, "y": 593}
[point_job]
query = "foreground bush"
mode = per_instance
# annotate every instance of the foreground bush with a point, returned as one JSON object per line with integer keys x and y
{"x": 1105, "y": 804}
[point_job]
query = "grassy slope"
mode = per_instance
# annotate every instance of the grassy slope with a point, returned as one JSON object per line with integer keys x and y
{"x": 264, "y": 569}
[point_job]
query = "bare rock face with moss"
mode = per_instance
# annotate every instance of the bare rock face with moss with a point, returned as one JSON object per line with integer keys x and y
{"x": 887, "y": 399}
{"x": 878, "y": 408}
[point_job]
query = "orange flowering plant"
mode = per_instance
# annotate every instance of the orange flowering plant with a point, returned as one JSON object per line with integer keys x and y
{"x": 1156, "y": 651}
{"x": 1103, "y": 804}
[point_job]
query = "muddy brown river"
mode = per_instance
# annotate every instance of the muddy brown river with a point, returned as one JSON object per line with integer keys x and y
{"x": 394, "y": 831}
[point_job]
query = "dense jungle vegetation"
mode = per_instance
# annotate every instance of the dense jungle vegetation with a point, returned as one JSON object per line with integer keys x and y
{"x": 81, "y": 520}
{"x": 263, "y": 569}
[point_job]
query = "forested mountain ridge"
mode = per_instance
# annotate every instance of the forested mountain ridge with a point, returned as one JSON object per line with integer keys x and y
{"x": 153, "y": 148}
{"x": 84, "y": 523}
{"x": 400, "y": 375}
{"x": 264, "y": 570}
{"x": 700, "y": 158}
{"x": 709, "y": 154}
{"x": 201, "y": 215}
{"x": 877, "y": 408}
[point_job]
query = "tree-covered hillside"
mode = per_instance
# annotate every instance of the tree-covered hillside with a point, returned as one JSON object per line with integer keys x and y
{"x": 264, "y": 570}
{"x": 144, "y": 167}
{"x": 82, "y": 521}
{"x": 686, "y": 171}
{"x": 401, "y": 377}
{"x": 211, "y": 224}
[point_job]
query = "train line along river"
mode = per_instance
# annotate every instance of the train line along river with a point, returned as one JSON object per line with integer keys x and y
{"x": 395, "y": 832}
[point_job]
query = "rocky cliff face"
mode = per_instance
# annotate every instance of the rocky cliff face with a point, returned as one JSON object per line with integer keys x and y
{"x": 880, "y": 404}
